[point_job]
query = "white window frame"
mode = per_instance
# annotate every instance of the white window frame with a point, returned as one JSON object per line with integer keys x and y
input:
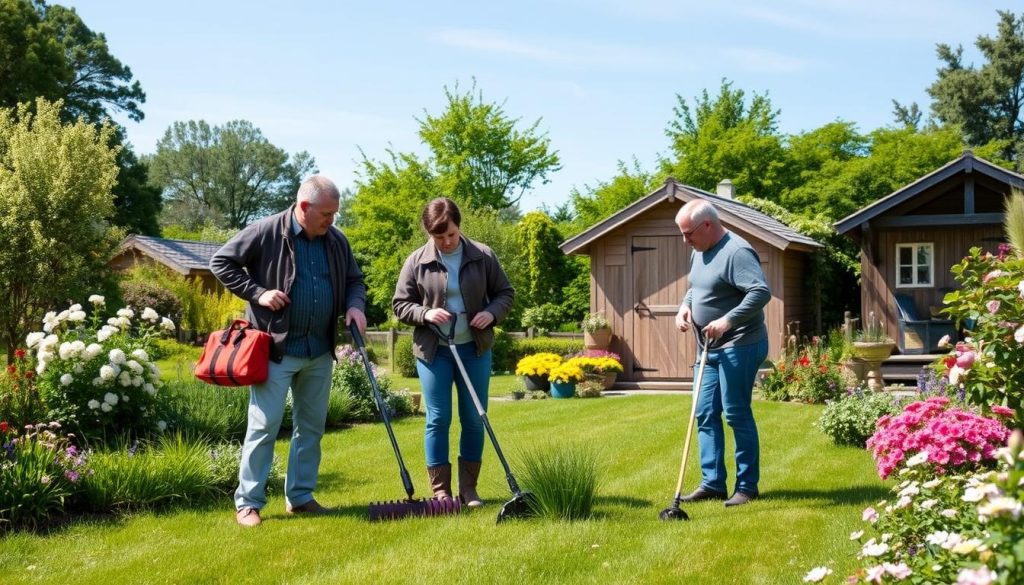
{"x": 914, "y": 265}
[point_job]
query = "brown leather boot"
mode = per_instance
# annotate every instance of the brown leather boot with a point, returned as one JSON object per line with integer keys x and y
{"x": 469, "y": 472}
{"x": 441, "y": 480}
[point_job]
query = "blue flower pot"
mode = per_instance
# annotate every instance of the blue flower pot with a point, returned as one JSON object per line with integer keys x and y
{"x": 560, "y": 390}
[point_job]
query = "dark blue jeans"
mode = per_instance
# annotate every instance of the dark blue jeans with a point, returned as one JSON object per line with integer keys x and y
{"x": 436, "y": 380}
{"x": 727, "y": 387}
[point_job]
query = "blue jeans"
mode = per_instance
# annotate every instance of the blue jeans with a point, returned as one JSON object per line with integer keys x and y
{"x": 727, "y": 386}
{"x": 310, "y": 382}
{"x": 436, "y": 379}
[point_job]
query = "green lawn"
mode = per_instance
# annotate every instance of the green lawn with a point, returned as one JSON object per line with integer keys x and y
{"x": 813, "y": 495}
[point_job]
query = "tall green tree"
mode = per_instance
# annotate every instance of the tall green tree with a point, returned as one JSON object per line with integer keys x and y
{"x": 479, "y": 153}
{"x": 726, "y": 137}
{"x": 32, "y": 60}
{"x": 55, "y": 202}
{"x": 228, "y": 174}
{"x": 538, "y": 238}
{"x": 596, "y": 203}
{"x": 986, "y": 102}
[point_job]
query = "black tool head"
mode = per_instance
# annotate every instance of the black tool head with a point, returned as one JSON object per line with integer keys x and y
{"x": 673, "y": 512}
{"x": 522, "y": 505}
{"x": 395, "y": 510}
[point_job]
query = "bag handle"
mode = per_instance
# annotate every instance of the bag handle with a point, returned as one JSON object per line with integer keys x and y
{"x": 239, "y": 325}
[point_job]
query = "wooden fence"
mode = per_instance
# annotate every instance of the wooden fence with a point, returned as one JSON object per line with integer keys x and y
{"x": 384, "y": 341}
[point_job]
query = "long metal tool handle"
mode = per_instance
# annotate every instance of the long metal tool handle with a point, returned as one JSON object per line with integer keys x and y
{"x": 697, "y": 381}
{"x": 382, "y": 408}
{"x": 450, "y": 337}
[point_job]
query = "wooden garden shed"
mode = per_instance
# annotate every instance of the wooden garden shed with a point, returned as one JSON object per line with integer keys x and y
{"x": 638, "y": 270}
{"x": 910, "y": 238}
{"x": 188, "y": 258}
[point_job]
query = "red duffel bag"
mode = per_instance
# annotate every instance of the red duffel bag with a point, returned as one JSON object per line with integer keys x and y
{"x": 236, "y": 356}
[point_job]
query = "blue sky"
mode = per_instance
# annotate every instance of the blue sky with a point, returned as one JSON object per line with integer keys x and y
{"x": 334, "y": 77}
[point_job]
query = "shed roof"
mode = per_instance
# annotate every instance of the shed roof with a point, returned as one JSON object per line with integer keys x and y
{"x": 732, "y": 212}
{"x": 966, "y": 163}
{"x": 183, "y": 256}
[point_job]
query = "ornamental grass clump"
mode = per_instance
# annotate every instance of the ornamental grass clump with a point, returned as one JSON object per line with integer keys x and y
{"x": 563, "y": 479}
{"x": 538, "y": 364}
{"x": 944, "y": 439}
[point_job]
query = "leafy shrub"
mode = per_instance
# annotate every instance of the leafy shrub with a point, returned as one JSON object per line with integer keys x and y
{"x": 563, "y": 479}
{"x": 225, "y": 458}
{"x": 201, "y": 311}
{"x": 99, "y": 380}
{"x": 948, "y": 529}
{"x": 946, "y": 439}
{"x": 589, "y": 389}
{"x": 350, "y": 377}
{"x": 20, "y": 403}
{"x": 809, "y": 374}
{"x": 851, "y": 419}
{"x": 138, "y": 295}
{"x": 501, "y": 352}
{"x": 196, "y": 408}
{"x": 543, "y": 317}
{"x": 38, "y": 470}
{"x": 405, "y": 361}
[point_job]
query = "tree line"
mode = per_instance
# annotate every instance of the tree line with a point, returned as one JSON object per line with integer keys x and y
{"x": 58, "y": 80}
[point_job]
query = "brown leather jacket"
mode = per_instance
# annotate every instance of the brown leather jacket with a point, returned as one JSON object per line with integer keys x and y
{"x": 424, "y": 280}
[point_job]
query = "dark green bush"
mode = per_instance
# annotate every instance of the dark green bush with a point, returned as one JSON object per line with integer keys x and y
{"x": 524, "y": 347}
{"x": 405, "y": 361}
{"x": 501, "y": 353}
{"x": 140, "y": 294}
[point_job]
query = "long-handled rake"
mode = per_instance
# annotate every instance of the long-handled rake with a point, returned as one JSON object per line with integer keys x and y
{"x": 674, "y": 512}
{"x": 522, "y": 504}
{"x": 392, "y": 510}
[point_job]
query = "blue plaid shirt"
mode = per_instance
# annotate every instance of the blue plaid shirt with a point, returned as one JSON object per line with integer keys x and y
{"x": 311, "y": 297}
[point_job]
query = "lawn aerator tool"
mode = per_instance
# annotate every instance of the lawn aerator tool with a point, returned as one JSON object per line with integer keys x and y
{"x": 674, "y": 512}
{"x": 393, "y": 510}
{"x": 522, "y": 504}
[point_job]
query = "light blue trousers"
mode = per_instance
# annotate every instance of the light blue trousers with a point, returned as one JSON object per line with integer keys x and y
{"x": 726, "y": 388}
{"x": 310, "y": 383}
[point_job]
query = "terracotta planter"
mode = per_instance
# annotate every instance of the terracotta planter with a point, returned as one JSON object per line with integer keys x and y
{"x": 599, "y": 339}
{"x": 536, "y": 383}
{"x": 868, "y": 357}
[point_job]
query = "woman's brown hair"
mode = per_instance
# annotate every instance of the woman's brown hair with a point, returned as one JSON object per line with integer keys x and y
{"x": 439, "y": 213}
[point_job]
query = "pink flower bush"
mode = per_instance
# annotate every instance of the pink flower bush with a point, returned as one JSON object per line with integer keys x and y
{"x": 941, "y": 437}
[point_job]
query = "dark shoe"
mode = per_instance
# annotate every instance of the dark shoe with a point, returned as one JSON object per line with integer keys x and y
{"x": 310, "y": 507}
{"x": 248, "y": 517}
{"x": 740, "y": 498}
{"x": 703, "y": 493}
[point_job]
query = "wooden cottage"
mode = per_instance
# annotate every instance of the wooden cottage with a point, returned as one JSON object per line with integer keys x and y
{"x": 910, "y": 238}
{"x": 638, "y": 270}
{"x": 188, "y": 258}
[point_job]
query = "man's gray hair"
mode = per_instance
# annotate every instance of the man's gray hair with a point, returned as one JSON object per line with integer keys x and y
{"x": 699, "y": 210}
{"x": 317, "y": 186}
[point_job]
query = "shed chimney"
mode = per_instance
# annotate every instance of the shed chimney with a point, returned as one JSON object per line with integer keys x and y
{"x": 725, "y": 189}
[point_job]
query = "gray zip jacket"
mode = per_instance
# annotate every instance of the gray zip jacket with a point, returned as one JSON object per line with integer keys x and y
{"x": 422, "y": 285}
{"x": 261, "y": 257}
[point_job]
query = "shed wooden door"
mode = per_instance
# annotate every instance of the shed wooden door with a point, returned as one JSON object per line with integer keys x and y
{"x": 660, "y": 265}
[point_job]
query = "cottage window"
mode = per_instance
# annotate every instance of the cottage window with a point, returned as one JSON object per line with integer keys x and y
{"x": 915, "y": 265}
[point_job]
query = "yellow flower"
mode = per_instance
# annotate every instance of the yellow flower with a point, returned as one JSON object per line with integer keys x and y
{"x": 566, "y": 372}
{"x": 537, "y": 364}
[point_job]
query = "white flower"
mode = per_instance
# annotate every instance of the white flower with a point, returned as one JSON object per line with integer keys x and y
{"x": 105, "y": 407}
{"x": 135, "y": 366}
{"x": 126, "y": 313}
{"x": 937, "y": 538}
{"x": 816, "y": 574}
{"x": 149, "y": 388}
{"x": 141, "y": 355}
{"x": 117, "y": 356}
{"x": 49, "y": 343}
{"x": 928, "y": 504}
{"x": 137, "y": 381}
{"x": 94, "y": 404}
{"x": 92, "y": 350}
{"x": 948, "y": 513}
{"x": 150, "y": 315}
{"x": 918, "y": 459}
{"x": 75, "y": 307}
{"x": 873, "y": 549}
{"x": 125, "y": 379}
{"x": 931, "y": 483}
{"x": 107, "y": 373}
{"x": 97, "y": 381}
{"x": 999, "y": 506}
{"x": 874, "y": 574}
{"x": 980, "y": 576}
{"x": 903, "y": 502}
{"x": 1018, "y": 335}
{"x": 869, "y": 514}
{"x": 66, "y": 380}
{"x": 78, "y": 369}
{"x": 124, "y": 398}
{"x": 966, "y": 547}
{"x": 63, "y": 315}
{"x": 34, "y": 338}
{"x": 97, "y": 300}
{"x": 105, "y": 332}
{"x": 974, "y": 494}
{"x": 161, "y": 425}
{"x": 167, "y": 324}
{"x": 900, "y": 571}
{"x": 110, "y": 398}
{"x": 954, "y": 375}
{"x": 76, "y": 316}
{"x": 856, "y": 535}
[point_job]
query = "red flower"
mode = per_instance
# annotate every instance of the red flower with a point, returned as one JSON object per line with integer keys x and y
{"x": 3, "y": 427}
{"x": 949, "y": 361}
{"x": 804, "y": 360}
{"x": 29, "y": 374}
{"x": 11, "y": 369}
{"x": 823, "y": 369}
{"x": 19, "y": 353}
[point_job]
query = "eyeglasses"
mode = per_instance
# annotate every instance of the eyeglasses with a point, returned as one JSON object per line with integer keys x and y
{"x": 689, "y": 235}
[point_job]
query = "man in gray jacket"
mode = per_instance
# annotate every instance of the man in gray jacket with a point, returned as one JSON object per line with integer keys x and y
{"x": 298, "y": 275}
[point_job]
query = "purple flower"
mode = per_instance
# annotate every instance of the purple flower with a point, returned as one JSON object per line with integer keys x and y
{"x": 72, "y": 475}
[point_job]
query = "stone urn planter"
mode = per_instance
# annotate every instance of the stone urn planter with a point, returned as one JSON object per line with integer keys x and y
{"x": 867, "y": 362}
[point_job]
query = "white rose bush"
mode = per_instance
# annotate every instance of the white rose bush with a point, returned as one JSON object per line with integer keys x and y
{"x": 95, "y": 376}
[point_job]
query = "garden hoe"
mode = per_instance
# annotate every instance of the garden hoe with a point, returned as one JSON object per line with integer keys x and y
{"x": 393, "y": 510}
{"x": 674, "y": 512}
{"x": 522, "y": 504}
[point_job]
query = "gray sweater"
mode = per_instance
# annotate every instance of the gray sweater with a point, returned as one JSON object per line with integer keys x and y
{"x": 727, "y": 280}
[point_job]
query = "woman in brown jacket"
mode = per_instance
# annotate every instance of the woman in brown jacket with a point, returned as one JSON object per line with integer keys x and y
{"x": 450, "y": 277}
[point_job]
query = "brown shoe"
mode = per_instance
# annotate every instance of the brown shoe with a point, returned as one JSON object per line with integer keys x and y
{"x": 703, "y": 493}
{"x": 440, "y": 477}
{"x": 248, "y": 517}
{"x": 310, "y": 507}
{"x": 740, "y": 498}
{"x": 469, "y": 473}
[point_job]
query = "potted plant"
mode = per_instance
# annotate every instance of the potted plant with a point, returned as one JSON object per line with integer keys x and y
{"x": 519, "y": 390}
{"x": 534, "y": 369}
{"x": 564, "y": 378}
{"x": 597, "y": 331}
{"x": 599, "y": 365}
{"x": 871, "y": 345}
